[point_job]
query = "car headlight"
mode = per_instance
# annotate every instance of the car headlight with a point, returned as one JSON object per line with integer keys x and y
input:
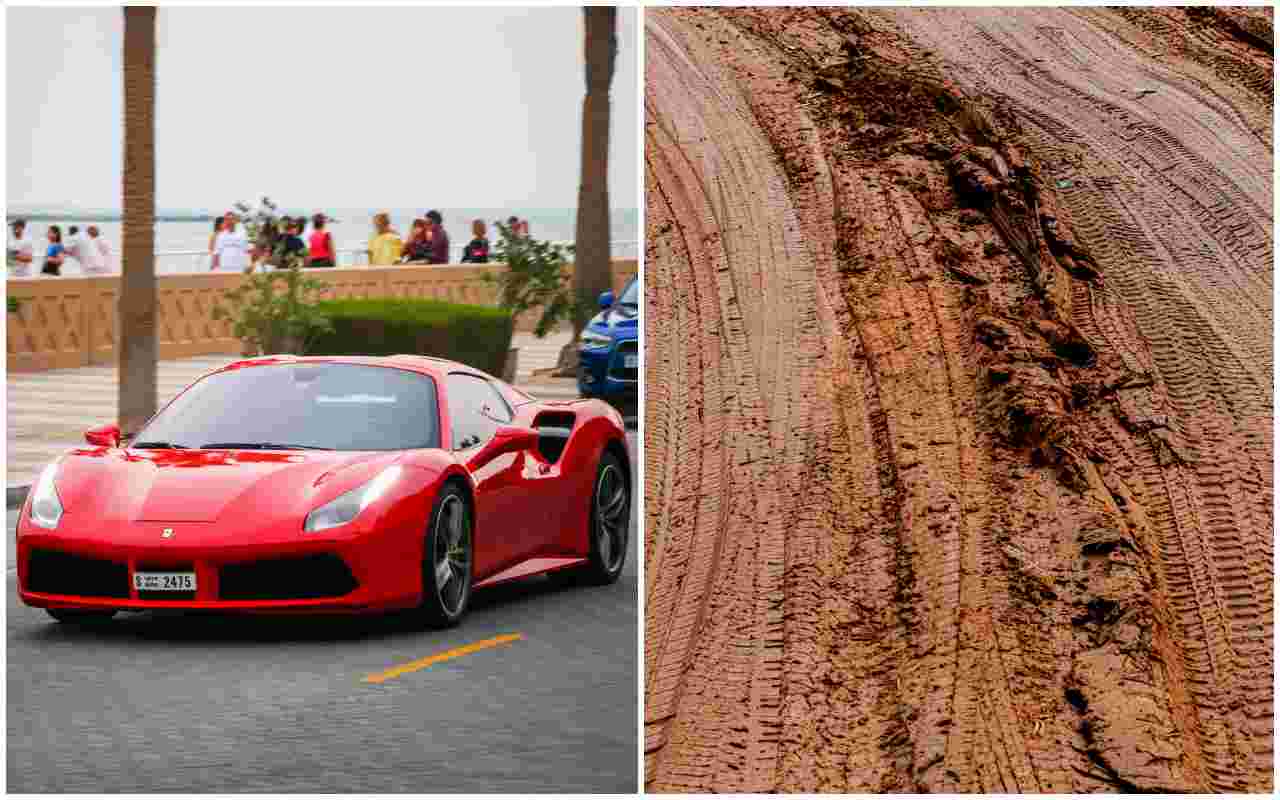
{"x": 591, "y": 339}
{"x": 46, "y": 508}
{"x": 344, "y": 508}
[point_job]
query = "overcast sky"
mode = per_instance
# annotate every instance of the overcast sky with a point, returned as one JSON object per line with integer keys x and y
{"x": 318, "y": 107}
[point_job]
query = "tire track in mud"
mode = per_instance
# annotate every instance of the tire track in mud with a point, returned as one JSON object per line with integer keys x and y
{"x": 723, "y": 714}
{"x": 942, "y": 582}
{"x": 1207, "y": 54}
{"x": 1219, "y": 386}
{"x": 856, "y": 579}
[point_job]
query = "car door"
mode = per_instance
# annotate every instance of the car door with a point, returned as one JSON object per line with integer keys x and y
{"x": 502, "y": 521}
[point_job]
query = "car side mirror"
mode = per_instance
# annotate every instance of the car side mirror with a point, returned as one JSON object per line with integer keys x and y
{"x": 103, "y": 436}
{"x": 606, "y": 300}
{"x": 507, "y": 439}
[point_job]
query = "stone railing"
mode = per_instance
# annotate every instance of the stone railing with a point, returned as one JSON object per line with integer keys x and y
{"x": 70, "y": 322}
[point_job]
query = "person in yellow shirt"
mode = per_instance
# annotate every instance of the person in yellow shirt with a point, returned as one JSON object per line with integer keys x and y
{"x": 384, "y": 244}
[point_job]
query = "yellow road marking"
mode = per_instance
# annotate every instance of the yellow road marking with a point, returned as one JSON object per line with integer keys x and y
{"x": 429, "y": 661}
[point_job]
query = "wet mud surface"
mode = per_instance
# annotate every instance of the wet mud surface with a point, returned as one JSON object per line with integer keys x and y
{"x": 959, "y": 409}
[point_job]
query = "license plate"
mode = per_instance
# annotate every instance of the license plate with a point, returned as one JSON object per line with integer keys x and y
{"x": 164, "y": 581}
{"x": 631, "y": 361}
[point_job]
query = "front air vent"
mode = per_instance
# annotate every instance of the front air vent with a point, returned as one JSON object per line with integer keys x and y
{"x": 303, "y": 578}
{"x": 56, "y": 572}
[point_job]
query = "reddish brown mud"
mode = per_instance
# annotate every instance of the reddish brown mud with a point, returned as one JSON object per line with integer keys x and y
{"x": 958, "y": 421}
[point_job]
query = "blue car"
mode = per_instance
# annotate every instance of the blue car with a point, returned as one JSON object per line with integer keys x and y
{"x": 608, "y": 350}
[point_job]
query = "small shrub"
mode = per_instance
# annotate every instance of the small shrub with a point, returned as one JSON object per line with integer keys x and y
{"x": 270, "y": 321}
{"x": 536, "y": 278}
{"x": 479, "y": 336}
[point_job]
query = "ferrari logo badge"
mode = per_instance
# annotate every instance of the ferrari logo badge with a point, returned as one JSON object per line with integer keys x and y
{"x": 167, "y": 533}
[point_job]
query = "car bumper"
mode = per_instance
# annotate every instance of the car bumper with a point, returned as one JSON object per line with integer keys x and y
{"x": 41, "y": 600}
{"x": 351, "y": 577}
{"x": 602, "y": 373}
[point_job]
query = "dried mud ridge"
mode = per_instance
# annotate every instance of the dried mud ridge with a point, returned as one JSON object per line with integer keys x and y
{"x": 958, "y": 419}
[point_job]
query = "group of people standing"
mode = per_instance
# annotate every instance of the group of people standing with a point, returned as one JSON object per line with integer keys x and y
{"x": 230, "y": 249}
{"x": 428, "y": 242}
{"x": 88, "y": 248}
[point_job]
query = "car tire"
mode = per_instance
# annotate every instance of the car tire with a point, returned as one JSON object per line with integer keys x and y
{"x": 610, "y": 524}
{"x": 79, "y": 616}
{"x": 447, "y": 559}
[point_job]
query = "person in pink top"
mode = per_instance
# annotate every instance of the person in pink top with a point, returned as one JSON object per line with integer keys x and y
{"x": 320, "y": 250}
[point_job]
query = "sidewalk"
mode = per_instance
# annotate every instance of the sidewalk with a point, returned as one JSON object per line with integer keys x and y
{"x": 48, "y": 412}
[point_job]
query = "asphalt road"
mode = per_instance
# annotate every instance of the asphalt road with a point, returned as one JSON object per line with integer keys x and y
{"x": 229, "y": 704}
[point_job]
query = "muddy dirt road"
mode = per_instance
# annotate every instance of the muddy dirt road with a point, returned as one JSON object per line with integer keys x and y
{"x": 959, "y": 408}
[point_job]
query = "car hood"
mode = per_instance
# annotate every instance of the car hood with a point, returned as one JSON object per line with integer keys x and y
{"x": 205, "y": 485}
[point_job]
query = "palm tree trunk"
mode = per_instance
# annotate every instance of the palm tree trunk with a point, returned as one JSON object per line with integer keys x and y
{"x": 591, "y": 274}
{"x": 137, "y": 345}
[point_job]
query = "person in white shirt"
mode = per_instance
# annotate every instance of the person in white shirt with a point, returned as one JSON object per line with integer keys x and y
{"x": 20, "y": 251}
{"x": 73, "y": 251}
{"x": 231, "y": 248}
{"x": 82, "y": 249}
{"x": 95, "y": 253}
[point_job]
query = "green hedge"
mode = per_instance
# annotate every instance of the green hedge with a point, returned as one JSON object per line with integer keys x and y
{"x": 478, "y": 336}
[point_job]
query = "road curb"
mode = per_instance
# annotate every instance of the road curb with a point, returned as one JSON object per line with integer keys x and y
{"x": 15, "y": 496}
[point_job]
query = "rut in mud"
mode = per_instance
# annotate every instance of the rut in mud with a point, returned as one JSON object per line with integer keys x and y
{"x": 958, "y": 400}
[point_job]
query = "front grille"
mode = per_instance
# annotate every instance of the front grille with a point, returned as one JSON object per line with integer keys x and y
{"x": 304, "y": 578}
{"x": 616, "y": 368}
{"x": 55, "y": 572}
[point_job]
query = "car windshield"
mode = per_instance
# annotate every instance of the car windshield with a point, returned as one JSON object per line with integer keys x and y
{"x": 630, "y": 294}
{"x": 301, "y": 406}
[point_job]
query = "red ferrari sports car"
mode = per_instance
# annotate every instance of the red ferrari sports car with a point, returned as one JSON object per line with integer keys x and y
{"x": 329, "y": 484}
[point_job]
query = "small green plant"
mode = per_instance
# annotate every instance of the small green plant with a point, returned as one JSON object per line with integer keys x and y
{"x": 14, "y": 305}
{"x": 272, "y": 321}
{"x": 536, "y": 277}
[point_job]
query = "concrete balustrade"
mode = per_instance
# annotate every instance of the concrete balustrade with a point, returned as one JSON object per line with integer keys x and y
{"x": 71, "y": 322}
